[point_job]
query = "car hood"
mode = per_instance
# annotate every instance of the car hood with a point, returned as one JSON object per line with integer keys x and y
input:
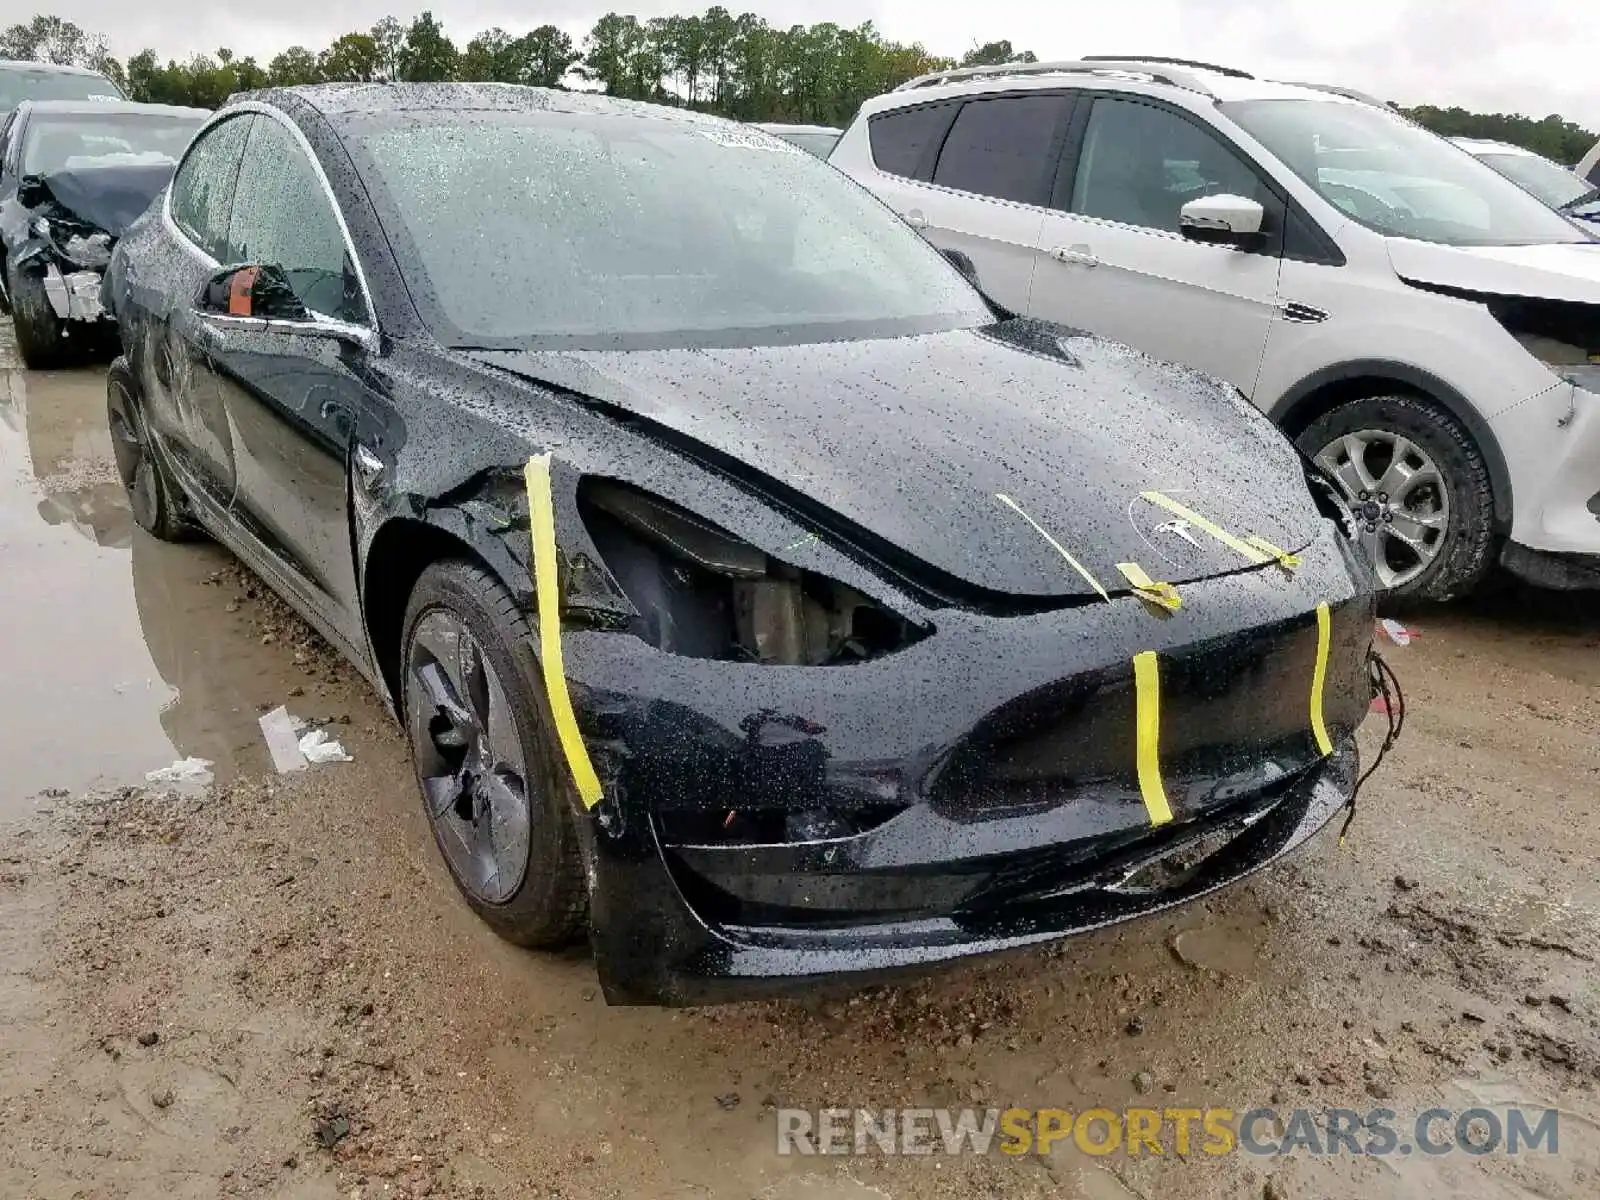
{"x": 914, "y": 439}
{"x": 110, "y": 197}
{"x": 1564, "y": 271}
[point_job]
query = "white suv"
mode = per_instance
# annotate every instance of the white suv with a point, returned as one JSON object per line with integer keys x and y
{"x": 1424, "y": 328}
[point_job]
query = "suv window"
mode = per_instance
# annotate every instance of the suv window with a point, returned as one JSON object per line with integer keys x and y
{"x": 1005, "y": 148}
{"x": 284, "y": 217}
{"x": 202, "y": 190}
{"x": 1141, "y": 163}
{"x": 901, "y": 139}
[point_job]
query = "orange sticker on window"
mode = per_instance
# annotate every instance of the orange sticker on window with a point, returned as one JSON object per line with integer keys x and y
{"x": 244, "y": 280}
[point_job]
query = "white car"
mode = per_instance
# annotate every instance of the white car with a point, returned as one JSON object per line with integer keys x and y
{"x": 1425, "y": 329}
{"x": 1559, "y": 187}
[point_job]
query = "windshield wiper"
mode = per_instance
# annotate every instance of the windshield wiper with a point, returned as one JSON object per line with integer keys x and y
{"x": 1588, "y": 197}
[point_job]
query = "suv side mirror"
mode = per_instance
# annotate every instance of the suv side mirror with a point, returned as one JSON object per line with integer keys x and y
{"x": 1222, "y": 220}
{"x": 258, "y": 290}
{"x": 962, "y": 262}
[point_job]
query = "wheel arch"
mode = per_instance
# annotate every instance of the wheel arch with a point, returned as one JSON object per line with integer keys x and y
{"x": 400, "y": 551}
{"x": 1326, "y": 389}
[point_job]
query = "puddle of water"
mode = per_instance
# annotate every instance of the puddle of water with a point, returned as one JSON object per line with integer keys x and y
{"x": 117, "y": 656}
{"x": 83, "y": 699}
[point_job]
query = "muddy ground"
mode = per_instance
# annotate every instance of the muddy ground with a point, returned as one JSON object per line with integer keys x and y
{"x": 268, "y": 988}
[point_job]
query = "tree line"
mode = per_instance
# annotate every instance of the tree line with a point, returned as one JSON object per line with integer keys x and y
{"x": 738, "y": 66}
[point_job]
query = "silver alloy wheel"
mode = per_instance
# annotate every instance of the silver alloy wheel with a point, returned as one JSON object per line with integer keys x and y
{"x": 469, "y": 757}
{"x": 1398, "y": 496}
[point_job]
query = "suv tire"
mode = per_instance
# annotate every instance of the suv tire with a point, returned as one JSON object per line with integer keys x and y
{"x": 1419, "y": 488}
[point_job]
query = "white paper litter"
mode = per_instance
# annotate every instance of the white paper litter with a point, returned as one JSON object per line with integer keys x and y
{"x": 1398, "y": 633}
{"x": 318, "y": 747}
{"x": 283, "y": 742}
{"x": 185, "y": 770}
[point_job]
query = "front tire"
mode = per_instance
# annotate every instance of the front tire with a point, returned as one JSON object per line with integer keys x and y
{"x": 1419, "y": 488}
{"x": 40, "y": 339}
{"x": 155, "y": 498}
{"x": 493, "y": 787}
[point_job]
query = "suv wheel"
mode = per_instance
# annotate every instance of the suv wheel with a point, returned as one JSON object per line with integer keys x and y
{"x": 1419, "y": 489}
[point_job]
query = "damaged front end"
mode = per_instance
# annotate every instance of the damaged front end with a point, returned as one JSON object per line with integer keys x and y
{"x": 66, "y": 254}
{"x": 810, "y": 767}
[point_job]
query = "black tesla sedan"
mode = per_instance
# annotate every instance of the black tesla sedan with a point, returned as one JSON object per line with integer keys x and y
{"x": 757, "y": 597}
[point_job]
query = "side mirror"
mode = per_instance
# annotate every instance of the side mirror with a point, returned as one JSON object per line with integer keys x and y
{"x": 258, "y": 290}
{"x": 32, "y": 192}
{"x": 962, "y": 262}
{"x": 1222, "y": 220}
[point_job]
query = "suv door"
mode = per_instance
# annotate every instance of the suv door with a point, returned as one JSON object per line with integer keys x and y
{"x": 293, "y": 390}
{"x": 181, "y": 401}
{"x": 976, "y": 176}
{"x": 1114, "y": 262}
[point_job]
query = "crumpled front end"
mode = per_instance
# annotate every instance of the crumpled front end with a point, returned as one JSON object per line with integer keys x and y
{"x": 996, "y": 781}
{"x": 68, "y": 254}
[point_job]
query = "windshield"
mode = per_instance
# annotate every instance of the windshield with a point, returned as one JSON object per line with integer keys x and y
{"x": 1397, "y": 178}
{"x": 19, "y": 83}
{"x": 1553, "y": 184}
{"x": 521, "y": 230}
{"x": 60, "y": 141}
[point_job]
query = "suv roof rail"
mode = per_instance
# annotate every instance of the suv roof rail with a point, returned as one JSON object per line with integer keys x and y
{"x": 1097, "y": 66}
{"x": 1347, "y": 93}
{"x": 1233, "y": 72}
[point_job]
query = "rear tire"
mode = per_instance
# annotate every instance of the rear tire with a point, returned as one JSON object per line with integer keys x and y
{"x": 522, "y": 874}
{"x": 40, "y": 339}
{"x": 155, "y": 498}
{"x": 1419, "y": 488}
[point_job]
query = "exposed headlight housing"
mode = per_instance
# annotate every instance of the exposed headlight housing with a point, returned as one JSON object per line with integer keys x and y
{"x": 703, "y": 592}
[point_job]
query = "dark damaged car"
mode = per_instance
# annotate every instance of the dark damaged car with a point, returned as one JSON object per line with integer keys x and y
{"x": 757, "y": 598}
{"x": 74, "y": 174}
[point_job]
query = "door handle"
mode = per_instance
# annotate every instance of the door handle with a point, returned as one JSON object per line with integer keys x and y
{"x": 1075, "y": 256}
{"x": 916, "y": 219}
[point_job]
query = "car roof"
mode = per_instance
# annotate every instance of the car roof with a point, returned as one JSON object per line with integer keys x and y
{"x": 1151, "y": 75}
{"x": 82, "y": 108}
{"x": 45, "y": 68}
{"x": 334, "y": 100}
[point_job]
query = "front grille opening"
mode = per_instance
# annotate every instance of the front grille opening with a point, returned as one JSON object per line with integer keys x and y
{"x": 772, "y": 826}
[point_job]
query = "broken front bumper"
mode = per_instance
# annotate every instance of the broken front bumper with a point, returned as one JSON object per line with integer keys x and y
{"x": 991, "y": 767}
{"x": 74, "y": 296}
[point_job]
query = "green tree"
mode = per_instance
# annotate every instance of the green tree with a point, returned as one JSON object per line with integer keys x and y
{"x": 428, "y": 56}
{"x": 50, "y": 39}
{"x": 353, "y": 58}
{"x": 389, "y": 36}
{"x": 544, "y": 56}
{"x": 992, "y": 54}
{"x": 296, "y": 65}
{"x": 488, "y": 57}
{"x": 605, "y": 53}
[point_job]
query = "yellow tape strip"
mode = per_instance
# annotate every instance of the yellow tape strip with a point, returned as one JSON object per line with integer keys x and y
{"x": 1147, "y": 720}
{"x": 542, "y": 517}
{"x": 1319, "y": 679}
{"x": 1060, "y": 549}
{"x": 1207, "y": 526}
{"x": 1163, "y": 595}
{"x": 1285, "y": 560}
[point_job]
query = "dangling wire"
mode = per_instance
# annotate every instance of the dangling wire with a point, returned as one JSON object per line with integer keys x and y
{"x": 1384, "y": 684}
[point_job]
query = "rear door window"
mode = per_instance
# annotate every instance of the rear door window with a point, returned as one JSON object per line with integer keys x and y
{"x": 203, "y": 189}
{"x": 1007, "y": 147}
{"x": 905, "y": 140}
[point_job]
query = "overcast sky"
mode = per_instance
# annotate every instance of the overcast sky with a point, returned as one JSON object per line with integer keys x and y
{"x": 1534, "y": 56}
